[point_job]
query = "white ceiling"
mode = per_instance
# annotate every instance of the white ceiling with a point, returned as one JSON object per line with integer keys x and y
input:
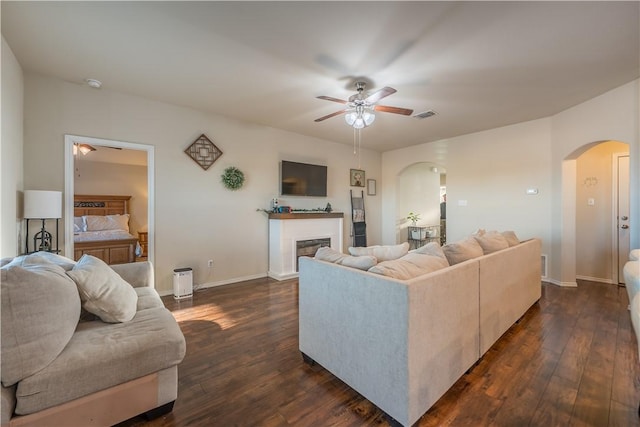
{"x": 480, "y": 65}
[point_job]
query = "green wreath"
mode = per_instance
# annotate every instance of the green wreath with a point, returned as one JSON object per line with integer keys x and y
{"x": 232, "y": 178}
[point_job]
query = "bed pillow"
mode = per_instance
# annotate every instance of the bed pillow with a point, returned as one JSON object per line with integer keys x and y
{"x": 381, "y": 253}
{"x": 102, "y": 291}
{"x": 409, "y": 266}
{"x": 79, "y": 224}
{"x": 511, "y": 237}
{"x": 463, "y": 250}
{"x": 107, "y": 222}
{"x": 492, "y": 241}
{"x": 40, "y": 311}
{"x": 364, "y": 262}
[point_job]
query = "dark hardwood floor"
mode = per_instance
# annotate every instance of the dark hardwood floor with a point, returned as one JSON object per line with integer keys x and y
{"x": 571, "y": 360}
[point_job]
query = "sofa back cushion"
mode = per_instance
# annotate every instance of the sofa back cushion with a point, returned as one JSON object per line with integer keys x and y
{"x": 409, "y": 266}
{"x": 492, "y": 241}
{"x": 102, "y": 291}
{"x": 364, "y": 262}
{"x": 40, "y": 311}
{"x": 463, "y": 250}
{"x": 381, "y": 252}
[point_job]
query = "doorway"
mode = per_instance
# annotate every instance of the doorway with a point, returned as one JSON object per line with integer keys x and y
{"x": 621, "y": 212}
{"x": 115, "y": 148}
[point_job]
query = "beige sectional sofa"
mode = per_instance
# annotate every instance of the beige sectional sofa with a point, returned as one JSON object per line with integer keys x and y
{"x": 402, "y": 343}
{"x": 84, "y": 344}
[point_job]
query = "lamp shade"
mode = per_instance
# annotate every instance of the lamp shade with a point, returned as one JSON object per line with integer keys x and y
{"x": 42, "y": 204}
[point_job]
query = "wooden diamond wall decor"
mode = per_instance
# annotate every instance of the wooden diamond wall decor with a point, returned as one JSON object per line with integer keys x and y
{"x": 203, "y": 152}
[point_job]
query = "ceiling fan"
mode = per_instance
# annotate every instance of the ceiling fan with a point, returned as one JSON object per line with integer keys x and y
{"x": 360, "y": 107}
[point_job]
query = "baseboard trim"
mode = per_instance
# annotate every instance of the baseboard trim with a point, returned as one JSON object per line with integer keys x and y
{"x": 197, "y": 287}
{"x": 561, "y": 284}
{"x": 595, "y": 279}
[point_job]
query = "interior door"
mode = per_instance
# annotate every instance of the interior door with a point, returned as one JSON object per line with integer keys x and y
{"x": 623, "y": 214}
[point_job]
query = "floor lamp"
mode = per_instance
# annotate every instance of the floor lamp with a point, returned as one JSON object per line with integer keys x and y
{"x": 42, "y": 205}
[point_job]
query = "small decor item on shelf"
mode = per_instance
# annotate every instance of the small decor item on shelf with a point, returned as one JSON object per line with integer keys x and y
{"x": 233, "y": 178}
{"x": 328, "y": 208}
{"x": 203, "y": 152}
{"x": 414, "y": 218}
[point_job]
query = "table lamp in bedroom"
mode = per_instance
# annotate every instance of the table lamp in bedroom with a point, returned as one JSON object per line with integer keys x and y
{"x": 42, "y": 205}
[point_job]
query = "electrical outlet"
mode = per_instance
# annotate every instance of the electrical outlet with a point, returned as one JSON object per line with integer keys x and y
{"x": 210, "y": 263}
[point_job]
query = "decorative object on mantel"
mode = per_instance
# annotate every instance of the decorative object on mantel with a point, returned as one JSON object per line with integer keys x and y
{"x": 414, "y": 218}
{"x": 233, "y": 178}
{"x": 203, "y": 152}
{"x": 371, "y": 187}
{"x": 328, "y": 208}
{"x": 357, "y": 178}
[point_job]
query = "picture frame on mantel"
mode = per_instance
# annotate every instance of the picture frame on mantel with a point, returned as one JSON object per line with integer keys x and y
{"x": 357, "y": 178}
{"x": 371, "y": 187}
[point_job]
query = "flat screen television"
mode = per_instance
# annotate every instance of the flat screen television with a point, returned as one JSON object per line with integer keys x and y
{"x": 302, "y": 179}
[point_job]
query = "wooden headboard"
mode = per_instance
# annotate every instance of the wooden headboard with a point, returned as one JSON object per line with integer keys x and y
{"x": 100, "y": 205}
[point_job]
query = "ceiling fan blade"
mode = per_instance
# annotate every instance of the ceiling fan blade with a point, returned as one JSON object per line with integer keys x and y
{"x": 329, "y": 98}
{"x": 328, "y": 116}
{"x": 395, "y": 110}
{"x": 378, "y": 95}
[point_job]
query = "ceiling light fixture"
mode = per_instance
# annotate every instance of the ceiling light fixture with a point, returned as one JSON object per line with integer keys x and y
{"x": 360, "y": 116}
{"x": 83, "y": 148}
{"x": 96, "y": 84}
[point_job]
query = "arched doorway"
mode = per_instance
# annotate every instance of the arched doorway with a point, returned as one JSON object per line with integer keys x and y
{"x": 590, "y": 249}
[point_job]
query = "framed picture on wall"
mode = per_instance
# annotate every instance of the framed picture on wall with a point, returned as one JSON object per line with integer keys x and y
{"x": 357, "y": 178}
{"x": 371, "y": 187}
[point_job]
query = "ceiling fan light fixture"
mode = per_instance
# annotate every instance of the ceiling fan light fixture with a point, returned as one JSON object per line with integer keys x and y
{"x": 351, "y": 117}
{"x": 368, "y": 116}
{"x": 83, "y": 148}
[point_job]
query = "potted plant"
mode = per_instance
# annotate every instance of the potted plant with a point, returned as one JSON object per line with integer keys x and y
{"x": 414, "y": 217}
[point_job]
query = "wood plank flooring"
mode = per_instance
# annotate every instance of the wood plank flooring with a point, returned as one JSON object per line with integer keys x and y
{"x": 572, "y": 360}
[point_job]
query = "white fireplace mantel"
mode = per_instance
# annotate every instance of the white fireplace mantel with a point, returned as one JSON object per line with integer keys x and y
{"x": 285, "y": 230}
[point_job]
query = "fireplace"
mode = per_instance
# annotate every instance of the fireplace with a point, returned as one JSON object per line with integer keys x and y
{"x": 294, "y": 235}
{"x": 309, "y": 247}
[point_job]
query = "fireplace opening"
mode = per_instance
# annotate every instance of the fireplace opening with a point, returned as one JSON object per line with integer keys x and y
{"x": 310, "y": 247}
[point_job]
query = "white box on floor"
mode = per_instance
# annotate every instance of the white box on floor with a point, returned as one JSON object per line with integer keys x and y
{"x": 182, "y": 283}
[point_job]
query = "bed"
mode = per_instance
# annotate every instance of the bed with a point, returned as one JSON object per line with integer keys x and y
{"x": 101, "y": 229}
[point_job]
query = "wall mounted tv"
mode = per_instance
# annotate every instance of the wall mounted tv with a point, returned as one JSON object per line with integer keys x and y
{"x": 302, "y": 179}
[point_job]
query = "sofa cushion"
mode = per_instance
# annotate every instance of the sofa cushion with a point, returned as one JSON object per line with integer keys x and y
{"x": 381, "y": 252}
{"x": 431, "y": 248}
{"x": 463, "y": 250}
{"x": 409, "y": 266}
{"x": 147, "y": 298}
{"x": 492, "y": 241}
{"x": 102, "y": 291}
{"x": 634, "y": 255}
{"x": 511, "y": 237}
{"x": 364, "y": 262}
{"x": 43, "y": 257}
{"x": 40, "y": 311}
{"x": 101, "y": 355}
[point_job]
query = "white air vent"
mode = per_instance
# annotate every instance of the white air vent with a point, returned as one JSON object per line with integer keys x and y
{"x": 425, "y": 114}
{"x": 543, "y": 265}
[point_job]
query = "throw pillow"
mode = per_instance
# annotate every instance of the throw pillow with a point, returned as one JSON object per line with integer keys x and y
{"x": 511, "y": 237}
{"x": 492, "y": 241}
{"x": 382, "y": 253}
{"x": 359, "y": 262}
{"x": 463, "y": 250}
{"x": 107, "y": 222}
{"x": 102, "y": 291}
{"x": 40, "y": 310}
{"x": 43, "y": 257}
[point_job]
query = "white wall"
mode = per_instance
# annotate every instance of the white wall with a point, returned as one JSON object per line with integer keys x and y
{"x": 419, "y": 192}
{"x": 11, "y": 140}
{"x": 115, "y": 179}
{"x": 197, "y": 219}
{"x": 490, "y": 172}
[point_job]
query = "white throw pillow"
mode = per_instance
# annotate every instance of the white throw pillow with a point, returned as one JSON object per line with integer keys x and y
{"x": 79, "y": 224}
{"x": 359, "y": 262}
{"x": 382, "y": 253}
{"x": 102, "y": 291}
